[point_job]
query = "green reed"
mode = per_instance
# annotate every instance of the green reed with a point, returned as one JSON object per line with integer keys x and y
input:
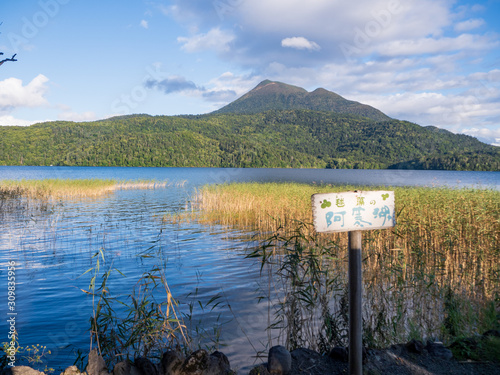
{"x": 149, "y": 320}
{"x": 137, "y": 324}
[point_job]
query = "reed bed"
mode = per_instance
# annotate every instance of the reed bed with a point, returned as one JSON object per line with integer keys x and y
{"x": 436, "y": 274}
{"x": 72, "y": 188}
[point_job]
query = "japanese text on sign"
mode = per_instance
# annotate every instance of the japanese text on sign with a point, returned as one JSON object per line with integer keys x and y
{"x": 353, "y": 210}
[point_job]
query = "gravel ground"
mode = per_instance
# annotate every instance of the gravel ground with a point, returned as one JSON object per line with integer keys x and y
{"x": 397, "y": 360}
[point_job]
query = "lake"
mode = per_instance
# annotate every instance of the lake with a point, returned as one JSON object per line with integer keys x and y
{"x": 53, "y": 248}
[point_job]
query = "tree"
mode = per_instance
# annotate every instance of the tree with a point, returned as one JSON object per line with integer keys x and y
{"x": 13, "y": 58}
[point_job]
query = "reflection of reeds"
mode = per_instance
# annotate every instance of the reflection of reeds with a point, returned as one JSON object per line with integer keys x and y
{"x": 72, "y": 188}
{"x": 445, "y": 247}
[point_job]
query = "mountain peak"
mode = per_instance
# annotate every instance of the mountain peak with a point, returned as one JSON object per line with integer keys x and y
{"x": 274, "y": 95}
{"x": 268, "y": 86}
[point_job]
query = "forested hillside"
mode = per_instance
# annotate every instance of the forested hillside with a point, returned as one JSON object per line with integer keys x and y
{"x": 276, "y": 138}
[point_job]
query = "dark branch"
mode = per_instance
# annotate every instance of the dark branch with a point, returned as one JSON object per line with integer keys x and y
{"x": 11, "y": 59}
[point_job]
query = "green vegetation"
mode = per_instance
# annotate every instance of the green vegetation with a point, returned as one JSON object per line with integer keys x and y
{"x": 285, "y": 138}
{"x": 480, "y": 348}
{"x": 146, "y": 322}
{"x": 145, "y": 327}
{"x": 436, "y": 274}
{"x": 33, "y": 356}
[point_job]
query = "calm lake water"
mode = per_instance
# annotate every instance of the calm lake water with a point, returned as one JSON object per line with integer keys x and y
{"x": 53, "y": 248}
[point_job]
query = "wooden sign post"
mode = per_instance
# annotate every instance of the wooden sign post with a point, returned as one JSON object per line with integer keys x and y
{"x": 353, "y": 212}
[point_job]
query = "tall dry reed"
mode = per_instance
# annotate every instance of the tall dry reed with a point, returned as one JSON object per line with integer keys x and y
{"x": 71, "y": 188}
{"x": 435, "y": 274}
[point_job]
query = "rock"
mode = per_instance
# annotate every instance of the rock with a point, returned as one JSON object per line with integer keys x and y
{"x": 279, "y": 361}
{"x": 96, "y": 365}
{"x": 125, "y": 368}
{"x": 196, "y": 363}
{"x": 339, "y": 353}
{"x": 200, "y": 363}
{"x": 145, "y": 366}
{"x": 437, "y": 349}
{"x": 72, "y": 370}
{"x": 303, "y": 358}
{"x": 122, "y": 368}
{"x": 219, "y": 362}
{"x": 415, "y": 346}
{"x": 171, "y": 363}
{"x": 21, "y": 370}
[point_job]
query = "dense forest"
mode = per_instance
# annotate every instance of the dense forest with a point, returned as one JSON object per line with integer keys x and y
{"x": 275, "y": 138}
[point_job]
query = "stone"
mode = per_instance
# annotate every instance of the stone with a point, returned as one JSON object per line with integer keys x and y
{"x": 218, "y": 364}
{"x": 339, "y": 353}
{"x": 196, "y": 363}
{"x": 415, "y": 346}
{"x": 303, "y": 358}
{"x": 96, "y": 364}
{"x": 437, "y": 349}
{"x": 72, "y": 370}
{"x": 145, "y": 366}
{"x": 122, "y": 368}
{"x": 171, "y": 363}
{"x": 125, "y": 368}
{"x": 200, "y": 363}
{"x": 21, "y": 370}
{"x": 279, "y": 361}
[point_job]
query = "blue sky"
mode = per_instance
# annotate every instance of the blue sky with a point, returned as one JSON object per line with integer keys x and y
{"x": 432, "y": 62}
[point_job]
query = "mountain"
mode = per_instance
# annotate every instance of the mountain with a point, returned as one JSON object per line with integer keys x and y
{"x": 272, "y": 95}
{"x": 275, "y": 138}
{"x": 273, "y": 125}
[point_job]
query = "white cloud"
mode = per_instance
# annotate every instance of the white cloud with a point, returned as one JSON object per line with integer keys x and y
{"x": 77, "y": 117}
{"x": 216, "y": 39}
{"x": 13, "y": 94}
{"x": 239, "y": 84}
{"x": 491, "y": 136}
{"x": 469, "y": 25}
{"x": 165, "y": 10}
{"x": 409, "y": 104}
{"x": 339, "y": 21}
{"x": 387, "y": 27}
{"x": 9, "y": 120}
{"x": 144, "y": 24}
{"x": 436, "y": 45}
{"x": 300, "y": 43}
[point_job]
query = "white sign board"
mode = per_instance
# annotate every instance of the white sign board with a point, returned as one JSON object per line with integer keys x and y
{"x": 353, "y": 210}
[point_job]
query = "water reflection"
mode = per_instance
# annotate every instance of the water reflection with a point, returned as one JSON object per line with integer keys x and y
{"x": 54, "y": 247}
